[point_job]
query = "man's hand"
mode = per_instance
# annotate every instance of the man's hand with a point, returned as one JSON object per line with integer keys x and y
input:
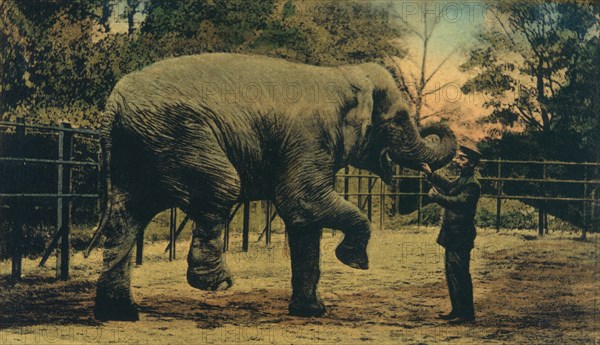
{"x": 426, "y": 168}
{"x": 433, "y": 192}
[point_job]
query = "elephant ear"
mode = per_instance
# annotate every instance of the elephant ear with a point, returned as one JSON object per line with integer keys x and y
{"x": 360, "y": 115}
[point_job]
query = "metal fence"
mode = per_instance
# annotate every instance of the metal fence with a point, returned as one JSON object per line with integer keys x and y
{"x": 366, "y": 190}
{"x": 63, "y": 195}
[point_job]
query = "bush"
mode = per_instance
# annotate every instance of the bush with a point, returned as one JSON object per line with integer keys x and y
{"x": 514, "y": 215}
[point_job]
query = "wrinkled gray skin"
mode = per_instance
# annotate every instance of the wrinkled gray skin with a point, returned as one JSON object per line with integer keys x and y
{"x": 205, "y": 132}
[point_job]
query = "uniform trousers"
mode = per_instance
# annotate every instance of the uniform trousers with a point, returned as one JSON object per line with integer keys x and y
{"x": 459, "y": 282}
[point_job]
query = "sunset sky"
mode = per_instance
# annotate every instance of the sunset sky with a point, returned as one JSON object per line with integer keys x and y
{"x": 457, "y": 25}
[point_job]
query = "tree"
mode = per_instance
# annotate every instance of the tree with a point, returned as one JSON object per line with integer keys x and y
{"x": 57, "y": 70}
{"x": 416, "y": 88}
{"x": 528, "y": 52}
{"x": 181, "y": 17}
{"x": 337, "y": 32}
{"x": 539, "y": 66}
{"x": 131, "y": 11}
{"x": 15, "y": 32}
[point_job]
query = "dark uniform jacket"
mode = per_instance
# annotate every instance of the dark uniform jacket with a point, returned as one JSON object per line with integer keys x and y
{"x": 459, "y": 199}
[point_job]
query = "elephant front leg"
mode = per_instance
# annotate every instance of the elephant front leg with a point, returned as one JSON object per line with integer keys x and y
{"x": 332, "y": 211}
{"x": 206, "y": 268}
{"x": 305, "y": 254}
{"x": 352, "y": 251}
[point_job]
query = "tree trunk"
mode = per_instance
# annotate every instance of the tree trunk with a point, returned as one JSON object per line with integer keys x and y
{"x": 106, "y": 13}
{"x": 541, "y": 96}
{"x": 132, "y": 6}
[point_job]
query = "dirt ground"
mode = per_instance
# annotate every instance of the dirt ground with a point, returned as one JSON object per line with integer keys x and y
{"x": 527, "y": 290}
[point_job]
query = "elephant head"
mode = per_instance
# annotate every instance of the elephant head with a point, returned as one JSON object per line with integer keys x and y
{"x": 395, "y": 139}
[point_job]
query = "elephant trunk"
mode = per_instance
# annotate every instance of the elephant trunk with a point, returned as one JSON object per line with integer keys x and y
{"x": 417, "y": 149}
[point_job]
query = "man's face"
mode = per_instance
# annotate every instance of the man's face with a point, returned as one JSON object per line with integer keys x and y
{"x": 461, "y": 160}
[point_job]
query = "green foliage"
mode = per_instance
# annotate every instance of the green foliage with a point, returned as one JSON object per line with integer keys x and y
{"x": 340, "y": 32}
{"x": 514, "y": 215}
{"x": 182, "y": 17}
{"x": 15, "y": 43}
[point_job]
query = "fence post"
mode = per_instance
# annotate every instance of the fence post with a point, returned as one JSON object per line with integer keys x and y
{"x": 172, "y": 229}
{"x": 542, "y": 208}
{"x": 18, "y": 211}
{"x": 419, "y": 211}
{"x": 225, "y": 235}
{"x": 396, "y": 190}
{"x": 370, "y": 196}
{"x": 596, "y": 196}
{"x": 381, "y": 203}
{"x": 139, "y": 248}
{"x": 360, "y": 197}
{"x": 268, "y": 220}
{"x": 63, "y": 206}
{"x": 346, "y": 173}
{"x": 228, "y": 227}
{"x": 335, "y": 188}
{"x": 246, "y": 229}
{"x": 499, "y": 195}
{"x": 585, "y": 213}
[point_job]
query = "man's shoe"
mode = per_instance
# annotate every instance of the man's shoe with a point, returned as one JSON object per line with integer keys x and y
{"x": 462, "y": 320}
{"x": 450, "y": 316}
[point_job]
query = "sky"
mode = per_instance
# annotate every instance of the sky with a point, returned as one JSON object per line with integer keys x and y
{"x": 457, "y": 24}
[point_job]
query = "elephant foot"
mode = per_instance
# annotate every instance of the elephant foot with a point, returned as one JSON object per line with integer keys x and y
{"x": 116, "y": 311}
{"x": 217, "y": 279}
{"x": 306, "y": 309}
{"x": 353, "y": 253}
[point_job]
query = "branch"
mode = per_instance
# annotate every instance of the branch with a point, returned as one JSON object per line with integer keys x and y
{"x": 529, "y": 118}
{"x": 440, "y": 66}
{"x": 429, "y": 33}
{"x": 414, "y": 78}
{"x": 410, "y": 27}
{"x": 439, "y": 112}
{"x": 437, "y": 88}
{"x": 503, "y": 27}
{"x": 551, "y": 83}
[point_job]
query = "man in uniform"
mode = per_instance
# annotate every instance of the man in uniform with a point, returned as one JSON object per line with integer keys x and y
{"x": 459, "y": 199}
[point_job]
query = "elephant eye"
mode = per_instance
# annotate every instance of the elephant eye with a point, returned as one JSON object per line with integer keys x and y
{"x": 401, "y": 116}
{"x": 399, "y": 119}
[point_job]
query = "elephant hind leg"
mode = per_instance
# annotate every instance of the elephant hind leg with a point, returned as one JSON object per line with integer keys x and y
{"x": 114, "y": 300}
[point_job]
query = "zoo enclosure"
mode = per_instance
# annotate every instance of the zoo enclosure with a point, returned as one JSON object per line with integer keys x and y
{"x": 365, "y": 189}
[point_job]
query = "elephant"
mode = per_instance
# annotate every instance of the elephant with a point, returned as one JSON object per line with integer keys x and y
{"x": 204, "y": 132}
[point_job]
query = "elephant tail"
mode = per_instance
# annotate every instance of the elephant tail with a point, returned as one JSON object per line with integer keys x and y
{"x": 104, "y": 178}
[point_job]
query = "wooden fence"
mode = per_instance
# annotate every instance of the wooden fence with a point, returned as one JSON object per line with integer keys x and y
{"x": 367, "y": 190}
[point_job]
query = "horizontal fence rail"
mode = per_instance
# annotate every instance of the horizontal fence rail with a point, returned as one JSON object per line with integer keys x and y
{"x": 46, "y": 161}
{"x": 51, "y": 128}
